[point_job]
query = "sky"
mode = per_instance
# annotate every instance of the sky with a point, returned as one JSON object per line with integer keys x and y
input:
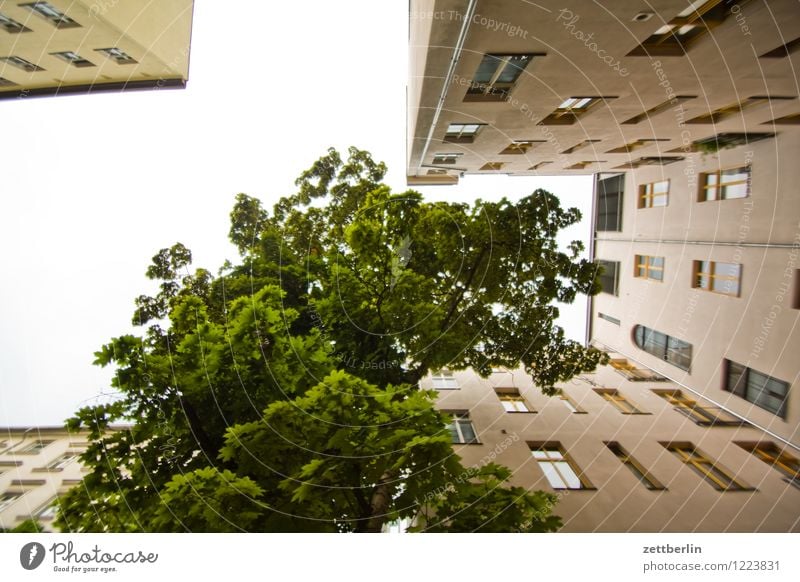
{"x": 93, "y": 186}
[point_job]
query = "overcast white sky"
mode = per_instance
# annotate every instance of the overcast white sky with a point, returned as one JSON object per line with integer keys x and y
{"x": 92, "y": 186}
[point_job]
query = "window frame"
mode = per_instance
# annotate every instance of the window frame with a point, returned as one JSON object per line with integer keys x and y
{"x": 569, "y": 403}
{"x": 672, "y": 346}
{"x": 459, "y": 418}
{"x": 709, "y": 470}
{"x": 11, "y": 26}
{"x": 778, "y": 459}
{"x": 645, "y": 263}
{"x": 704, "y": 194}
{"x": 493, "y": 89}
{"x": 744, "y": 391}
{"x": 644, "y": 476}
{"x": 28, "y": 448}
{"x": 445, "y": 378}
{"x": 608, "y": 266}
{"x": 564, "y": 460}
{"x": 648, "y": 195}
{"x": 50, "y": 13}
{"x": 9, "y": 498}
{"x": 512, "y": 396}
{"x": 618, "y": 401}
{"x": 668, "y": 40}
{"x": 711, "y": 277}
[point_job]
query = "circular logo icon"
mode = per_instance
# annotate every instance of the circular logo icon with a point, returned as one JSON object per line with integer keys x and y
{"x": 31, "y": 555}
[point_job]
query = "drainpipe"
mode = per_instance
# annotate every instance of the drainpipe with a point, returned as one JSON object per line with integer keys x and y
{"x": 462, "y": 36}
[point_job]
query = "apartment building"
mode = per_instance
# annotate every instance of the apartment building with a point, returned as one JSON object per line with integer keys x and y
{"x": 64, "y": 47}
{"x": 687, "y": 114}
{"x": 625, "y": 450}
{"x": 537, "y": 88}
{"x": 37, "y": 465}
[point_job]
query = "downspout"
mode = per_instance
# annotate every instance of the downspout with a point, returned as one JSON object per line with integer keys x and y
{"x": 462, "y": 37}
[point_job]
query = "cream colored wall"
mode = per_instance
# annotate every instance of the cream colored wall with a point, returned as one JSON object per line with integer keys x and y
{"x": 32, "y": 468}
{"x": 619, "y": 503}
{"x": 157, "y": 36}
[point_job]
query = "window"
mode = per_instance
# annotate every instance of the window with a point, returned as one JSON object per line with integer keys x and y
{"x": 32, "y": 448}
{"x": 47, "y": 512}
{"x": 651, "y": 161}
{"x": 73, "y": 58}
{"x": 634, "y": 374}
{"x": 571, "y": 109}
{"x": 672, "y": 350}
{"x": 619, "y": 401}
{"x": 49, "y": 12}
{"x": 609, "y": 203}
{"x": 722, "y": 278}
{"x": 674, "y": 38}
{"x": 580, "y": 145}
{"x": 461, "y": 428}
{"x": 713, "y": 473}
{"x": 654, "y": 194}
{"x": 512, "y": 401}
{"x": 559, "y": 470}
{"x": 444, "y": 380}
{"x": 609, "y": 278}
{"x": 723, "y": 141}
{"x": 764, "y": 391}
{"x": 520, "y": 147}
{"x": 734, "y": 108}
{"x": 608, "y": 318}
{"x": 777, "y": 459}
{"x": 462, "y": 132}
{"x": 783, "y": 51}
{"x": 570, "y": 404}
{"x": 449, "y": 158}
{"x": 6, "y": 83}
{"x": 725, "y": 184}
{"x": 660, "y": 108}
{"x": 638, "y": 471}
{"x": 540, "y": 164}
{"x": 496, "y": 76}
{"x": 12, "y": 26}
{"x": 115, "y": 54}
{"x": 647, "y": 267}
{"x": 492, "y": 166}
{"x": 59, "y": 463}
{"x": 21, "y": 63}
{"x": 8, "y": 498}
{"x": 701, "y": 415}
{"x": 796, "y": 297}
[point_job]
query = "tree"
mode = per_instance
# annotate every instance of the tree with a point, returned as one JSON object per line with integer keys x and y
{"x": 282, "y": 394}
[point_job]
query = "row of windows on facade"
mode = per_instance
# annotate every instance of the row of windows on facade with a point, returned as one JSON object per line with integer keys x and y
{"x": 59, "y": 20}
{"x": 562, "y": 473}
{"x": 762, "y": 390}
{"x": 720, "y": 185}
{"x": 714, "y": 276}
{"x": 497, "y": 74}
{"x": 43, "y": 512}
{"x": 34, "y": 448}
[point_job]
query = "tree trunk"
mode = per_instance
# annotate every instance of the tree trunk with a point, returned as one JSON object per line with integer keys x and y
{"x": 379, "y": 506}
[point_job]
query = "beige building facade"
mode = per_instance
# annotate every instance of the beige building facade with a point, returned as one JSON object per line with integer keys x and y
{"x": 62, "y": 47}
{"x": 625, "y": 450}
{"x": 37, "y": 465}
{"x": 687, "y": 114}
